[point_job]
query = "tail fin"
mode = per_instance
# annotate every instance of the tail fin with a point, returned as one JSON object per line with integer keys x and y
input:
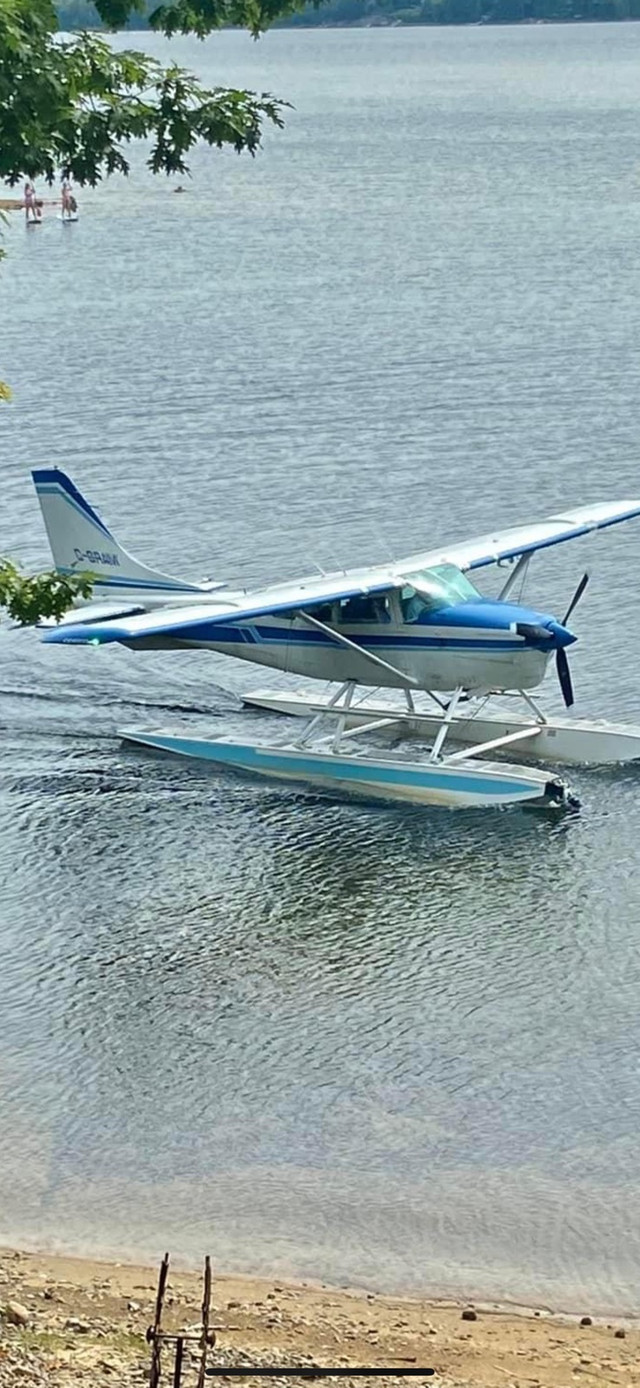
{"x": 80, "y": 541}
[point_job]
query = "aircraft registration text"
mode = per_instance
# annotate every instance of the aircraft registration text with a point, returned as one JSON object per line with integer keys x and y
{"x": 95, "y": 556}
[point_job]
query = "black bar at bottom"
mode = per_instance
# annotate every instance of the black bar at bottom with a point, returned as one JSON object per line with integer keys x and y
{"x": 313, "y": 1371}
{"x": 177, "y": 1368}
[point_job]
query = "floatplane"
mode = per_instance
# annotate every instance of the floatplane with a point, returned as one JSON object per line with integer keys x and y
{"x": 435, "y": 651}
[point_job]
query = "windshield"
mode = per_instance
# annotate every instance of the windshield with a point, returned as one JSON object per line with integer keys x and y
{"x": 431, "y": 589}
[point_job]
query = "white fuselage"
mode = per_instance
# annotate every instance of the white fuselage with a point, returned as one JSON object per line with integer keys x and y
{"x": 433, "y": 657}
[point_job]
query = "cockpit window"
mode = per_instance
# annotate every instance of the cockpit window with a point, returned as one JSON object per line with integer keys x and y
{"x": 432, "y": 589}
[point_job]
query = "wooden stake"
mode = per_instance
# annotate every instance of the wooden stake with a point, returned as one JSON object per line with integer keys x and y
{"x": 154, "y": 1376}
{"x": 206, "y": 1308}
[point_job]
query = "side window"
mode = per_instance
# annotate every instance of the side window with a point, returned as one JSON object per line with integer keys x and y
{"x": 383, "y": 609}
{"x": 324, "y": 613}
{"x": 364, "y": 609}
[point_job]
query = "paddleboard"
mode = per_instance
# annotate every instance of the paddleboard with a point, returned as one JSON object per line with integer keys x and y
{"x": 72, "y": 218}
{"x": 34, "y": 221}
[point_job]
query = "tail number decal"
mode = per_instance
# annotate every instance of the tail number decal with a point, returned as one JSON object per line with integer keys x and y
{"x": 96, "y": 556}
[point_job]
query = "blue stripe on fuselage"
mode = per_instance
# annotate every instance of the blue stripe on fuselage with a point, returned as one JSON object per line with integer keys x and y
{"x": 485, "y": 615}
{"x": 217, "y": 634}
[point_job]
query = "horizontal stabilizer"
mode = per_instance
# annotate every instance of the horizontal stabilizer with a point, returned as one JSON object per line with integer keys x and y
{"x": 92, "y": 612}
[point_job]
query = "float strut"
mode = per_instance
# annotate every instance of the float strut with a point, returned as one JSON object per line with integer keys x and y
{"x": 446, "y": 724}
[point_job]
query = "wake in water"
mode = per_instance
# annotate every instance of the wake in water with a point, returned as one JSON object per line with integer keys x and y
{"x": 105, "y": 700}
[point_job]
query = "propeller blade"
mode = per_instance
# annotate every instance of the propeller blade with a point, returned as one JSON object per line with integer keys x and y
{"x": 575, "y": 599}
{"x": 564, "y": 676}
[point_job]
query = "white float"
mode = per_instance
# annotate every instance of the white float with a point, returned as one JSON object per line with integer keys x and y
{"x": 455, "y": 782}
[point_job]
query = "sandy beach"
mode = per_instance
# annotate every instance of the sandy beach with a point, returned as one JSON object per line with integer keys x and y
{"x": 66, "y": 1321}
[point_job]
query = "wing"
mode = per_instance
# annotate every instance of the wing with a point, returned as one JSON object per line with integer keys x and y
{"x": 197, "y": 622}
{"x": 510, "y": 544}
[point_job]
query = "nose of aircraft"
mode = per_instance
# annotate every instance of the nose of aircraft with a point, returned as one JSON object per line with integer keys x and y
{"x": 561, "y": 635}
{"x": 545, "y": 632}
{"x": 547, "y": 635}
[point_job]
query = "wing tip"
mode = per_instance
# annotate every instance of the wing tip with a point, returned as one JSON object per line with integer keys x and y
{"x": 89, "y": 635}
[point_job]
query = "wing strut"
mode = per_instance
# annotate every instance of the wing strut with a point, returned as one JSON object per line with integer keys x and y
{"x": 353, "y": 646}
{"x": 518, "y": 571}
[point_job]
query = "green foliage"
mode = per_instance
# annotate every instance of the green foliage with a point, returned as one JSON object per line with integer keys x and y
{"x": 75, "y": 104}
{"x": 82, "y": 14}
{"x": 199, "y": 17}
{"x": 30, "y": 598}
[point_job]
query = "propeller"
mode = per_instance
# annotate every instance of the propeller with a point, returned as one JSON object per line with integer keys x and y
{"x": 564, "y": 676}
{"x": 562, "y": 664}
{"x": 575, "y": 599}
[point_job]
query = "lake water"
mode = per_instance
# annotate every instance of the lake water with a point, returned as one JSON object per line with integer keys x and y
{"x": 374, "y": 1046}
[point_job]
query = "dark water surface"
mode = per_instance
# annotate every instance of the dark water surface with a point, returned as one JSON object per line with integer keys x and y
{"x": 385, "y": 1047}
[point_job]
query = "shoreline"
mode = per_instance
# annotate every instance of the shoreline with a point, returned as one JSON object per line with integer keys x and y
{"x": 84, "y": 1320}
{"x": 382, "y": 22}
{"x": 17, "y": 204}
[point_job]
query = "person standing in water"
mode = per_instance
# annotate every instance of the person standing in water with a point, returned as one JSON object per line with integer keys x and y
{"x": 68, "y": 201}
{"x": 31, "y": 209}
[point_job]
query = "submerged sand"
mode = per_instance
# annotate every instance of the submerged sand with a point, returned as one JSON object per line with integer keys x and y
{"x": 84, "y": 1322}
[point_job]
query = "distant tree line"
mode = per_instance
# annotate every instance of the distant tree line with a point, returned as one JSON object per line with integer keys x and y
{"x": 464, "y": 11}
{"x": 78, "y": 14}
